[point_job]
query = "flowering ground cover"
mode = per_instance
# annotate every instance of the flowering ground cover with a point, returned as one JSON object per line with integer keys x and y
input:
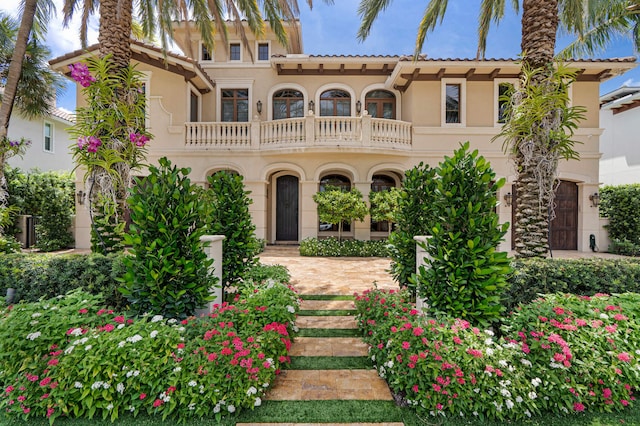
{"x": 71, "y": 357}
{"x": 558, "y": 355}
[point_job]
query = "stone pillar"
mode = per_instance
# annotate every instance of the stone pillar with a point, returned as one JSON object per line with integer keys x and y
{"x": 309, "y": 213}
{"x": 362, "y": 230}
{"x": 213, "y": 251}
{"x": 422, "y": 255}
{"x": 366, "y": 129}
{"x": 255, "y": 133}
{"x": 310, "y": 128}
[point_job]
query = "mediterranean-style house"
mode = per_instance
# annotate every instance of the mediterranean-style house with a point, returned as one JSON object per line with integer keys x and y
{"x": 290, "y": 123}
{"x": 620, "y": 119}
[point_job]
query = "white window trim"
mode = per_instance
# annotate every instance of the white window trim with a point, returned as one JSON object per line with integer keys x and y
{"x": 236, "y": 83}
{"x": 496, "y": 96}
{"x": 51, "y": 136}
{"x": 258, "y": 43}
{"x": 463, "y": 102}
{"x": 241, "y": 52}
{"x": 206, "y": 61}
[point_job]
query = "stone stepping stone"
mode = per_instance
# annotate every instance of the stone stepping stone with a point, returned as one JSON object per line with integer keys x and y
{"x": 328, "y": 346}
{"x": 328, "y": 305}
{"x": 338, "y": 322}
{"x": 293, "y": 385}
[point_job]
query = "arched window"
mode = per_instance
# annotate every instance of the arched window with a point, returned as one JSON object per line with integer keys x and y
{"x": 288, "y": 103}
{"x": 381, "y": 104}
{"x": 335, "y": 102}
{"x": 344, "y": 184}
{"x": 381, "y": 183}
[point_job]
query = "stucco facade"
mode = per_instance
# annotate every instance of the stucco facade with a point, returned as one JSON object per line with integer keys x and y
{"x": 290, "y": 122}
{"x": 49, "y": 149}
{"x": 620, "y": 141}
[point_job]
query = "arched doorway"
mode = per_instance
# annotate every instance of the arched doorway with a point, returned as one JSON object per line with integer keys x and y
{"x": 287, "y": 208}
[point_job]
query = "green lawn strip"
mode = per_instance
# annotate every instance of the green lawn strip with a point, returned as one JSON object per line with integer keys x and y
{"x": 340, "y": 412}
{"x": 326, "y": 313}
{"x": 329, "y": 363}
{"x": 326, "y": 297}
{"x": 329, "y": 332}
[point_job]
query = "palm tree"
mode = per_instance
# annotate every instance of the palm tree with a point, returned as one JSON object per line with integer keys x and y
{"x": 540, "y": 21}
{"x": 27, "y": 81}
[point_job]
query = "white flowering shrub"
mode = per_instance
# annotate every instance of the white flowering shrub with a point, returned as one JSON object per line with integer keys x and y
{"x": 69, "y": 357}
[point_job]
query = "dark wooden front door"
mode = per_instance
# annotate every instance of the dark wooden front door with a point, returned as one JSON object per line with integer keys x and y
{"x": 564, "y": 228}
{"x": 287, "y": 208}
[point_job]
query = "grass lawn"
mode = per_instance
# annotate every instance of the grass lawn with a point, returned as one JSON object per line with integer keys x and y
{"x": 343, "y": 411}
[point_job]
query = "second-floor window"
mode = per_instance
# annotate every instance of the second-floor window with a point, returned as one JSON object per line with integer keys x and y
{"x": 381, "y": 104}
{"x": 205, "y": 55}
{"x": 335, "y": 103}
{"x": 235, "y": 104}
{"x": 288, "y": 103}
{"x": 504, "y": 89}
{"x": 48, "y": 137}
{"x": 452, "y": 104}
{"x": 235, "y": 52}
{"x": 263, "y": 51}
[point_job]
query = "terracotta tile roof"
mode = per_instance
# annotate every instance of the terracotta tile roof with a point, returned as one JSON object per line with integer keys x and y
{"x": 63, "y": 114}
{"x": 138, "y": 45}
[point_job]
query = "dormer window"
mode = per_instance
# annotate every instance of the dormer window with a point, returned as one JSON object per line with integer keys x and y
{"x": 235, "y": 54}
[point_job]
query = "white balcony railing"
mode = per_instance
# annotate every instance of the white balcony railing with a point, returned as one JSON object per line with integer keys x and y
{"x": 309, "y": 131}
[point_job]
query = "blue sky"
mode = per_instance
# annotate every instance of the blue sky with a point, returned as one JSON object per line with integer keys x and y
{"x": 332, "y": 29}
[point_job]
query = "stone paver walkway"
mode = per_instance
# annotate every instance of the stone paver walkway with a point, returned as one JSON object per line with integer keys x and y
{"x": 329, "y": 276}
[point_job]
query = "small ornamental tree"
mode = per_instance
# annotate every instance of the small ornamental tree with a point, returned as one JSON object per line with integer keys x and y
{"x": 111, "y": 138}
{"x": 227, "y": 213}
{"x": 413, "y": 219}
{"x": 466, "y": 276}
{"x": 336, "y": 206}
{"x": 384, "y": 206}
{"x": 168, "y": 272}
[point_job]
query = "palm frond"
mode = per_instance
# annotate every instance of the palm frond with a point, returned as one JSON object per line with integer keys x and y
{"x": 433, "y": 16}
{"x": 369, "y": 11}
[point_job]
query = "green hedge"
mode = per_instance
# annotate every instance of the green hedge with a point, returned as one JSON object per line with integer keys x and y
{"x": 532, "y": 277}
{"x": 621, "y": 204}
{"x": 38, "y": 275}
{"x": 331, "y": 247}
{"x": 34, "y": 276}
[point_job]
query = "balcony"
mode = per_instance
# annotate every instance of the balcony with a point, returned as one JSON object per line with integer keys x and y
{"x": 310, "y": 131}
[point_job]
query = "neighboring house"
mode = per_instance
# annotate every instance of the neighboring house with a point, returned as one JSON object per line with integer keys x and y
{"x": 49, "y": 138}
{"x": 620, "y": 141}
{"x": 291, "y": 123}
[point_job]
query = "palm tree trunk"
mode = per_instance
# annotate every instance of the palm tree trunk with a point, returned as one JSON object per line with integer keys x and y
{"x": 108, "y": 197}
{"x": 535, "y": 191}
{"x": 115, "y": 31}
{"x": 11, "y": 86}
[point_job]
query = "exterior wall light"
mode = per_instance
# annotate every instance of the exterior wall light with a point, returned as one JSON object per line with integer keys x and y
{"x": 259, "y": 107}
{"x": 312, "y": 106}
{"x": 358, "y": 107}
{"x": 595, "y": 199}
{"x": 80, "y": 195}
{"x": 508, "y": 199}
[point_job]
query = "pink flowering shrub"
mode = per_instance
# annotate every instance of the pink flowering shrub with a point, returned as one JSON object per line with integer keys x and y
{"x": 79, "y": 360}
{"x": 454, "y": 369}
